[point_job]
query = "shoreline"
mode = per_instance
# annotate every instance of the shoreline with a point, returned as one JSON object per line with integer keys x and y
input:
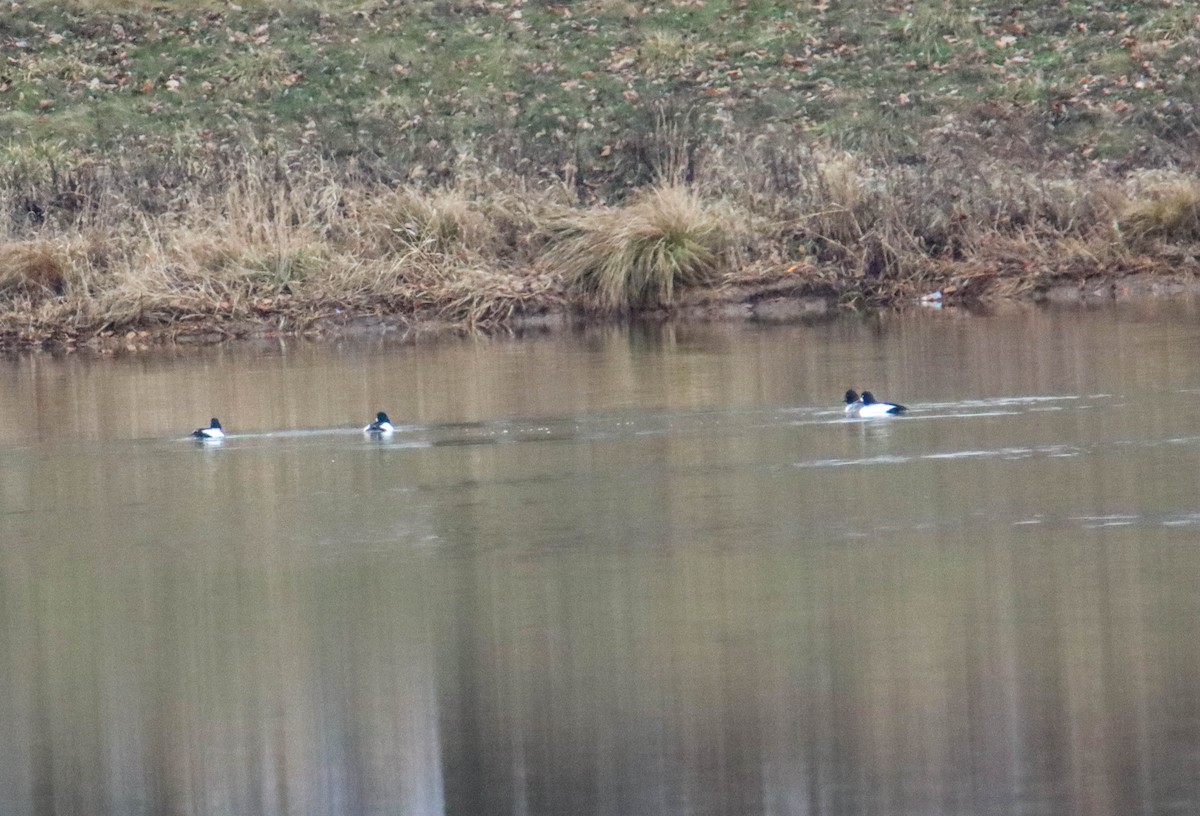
{"x": 765, "y": 303}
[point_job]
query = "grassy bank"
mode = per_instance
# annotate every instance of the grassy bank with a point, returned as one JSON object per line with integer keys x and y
{"x": 223, "y": 168}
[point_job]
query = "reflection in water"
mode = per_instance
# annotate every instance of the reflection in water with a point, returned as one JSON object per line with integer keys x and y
{"x": 614, "y": 574}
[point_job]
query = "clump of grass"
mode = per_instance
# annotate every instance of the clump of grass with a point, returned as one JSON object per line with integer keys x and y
{"x": 635, "y": 257}
{"x": 842, "y": 198}
{"x": 664, "y": 51}
{"x": 31, "y": 268}
{"x": 1168, "y": 210}
{"x": 478, "y": 220}
{"x": 438, "y": 220}
{"x": 477, "y": 297}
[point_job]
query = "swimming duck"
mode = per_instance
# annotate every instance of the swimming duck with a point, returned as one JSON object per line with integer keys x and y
{"x": 381, "y": 425}
{"x": 867, "y": 407}
{"x": 213, "y": 431}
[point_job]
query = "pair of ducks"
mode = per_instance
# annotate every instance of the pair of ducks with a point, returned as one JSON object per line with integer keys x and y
{"x": 867, "y": 407}
{"x": 382, "y": 425}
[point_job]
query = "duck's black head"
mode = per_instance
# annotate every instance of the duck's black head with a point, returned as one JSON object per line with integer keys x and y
{"x": 851, "y": 396}
{"x": 382, "y": 417}
{"x": 868, "y": 398}
{"x": 216, "y": 423}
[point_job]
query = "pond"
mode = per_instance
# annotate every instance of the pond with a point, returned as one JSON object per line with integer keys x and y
{"x": 620, "y": 571}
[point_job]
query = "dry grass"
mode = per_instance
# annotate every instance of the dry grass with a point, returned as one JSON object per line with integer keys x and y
{"x": 245, "y": 240}
{"x": 255, "y": 241}
{"x": 665, "y": 51}
{"x": 1165, "y": 208}
{"x": 33, "y": 269}
{"x": 442, "y": 221}
{"x": 634, "y": 257}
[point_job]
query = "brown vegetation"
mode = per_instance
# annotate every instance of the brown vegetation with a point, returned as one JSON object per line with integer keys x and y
{"x": 255, "y": 245}
{"x": 634, "y": 257}
{"x": 1167, "y": 209}
{"x": 32, "y": 269}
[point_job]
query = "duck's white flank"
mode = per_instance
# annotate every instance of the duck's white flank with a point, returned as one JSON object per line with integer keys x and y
{"x": 381, "y": 425}
{"x": 213, "y": 431}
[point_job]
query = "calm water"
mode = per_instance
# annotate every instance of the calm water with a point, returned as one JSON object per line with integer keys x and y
{"x": 625, "y": 572}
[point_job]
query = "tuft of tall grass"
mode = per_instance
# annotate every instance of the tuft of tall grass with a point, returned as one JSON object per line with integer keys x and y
{"x": 408, "y": 218}
{"x": 1168, "y": 210}
{"x": 636, "y": 256}
{"x": 665, "y": 51}
{"x": 31, "y": 268}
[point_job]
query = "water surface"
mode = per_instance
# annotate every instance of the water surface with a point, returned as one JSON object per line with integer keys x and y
{"x": 646, "y": 571}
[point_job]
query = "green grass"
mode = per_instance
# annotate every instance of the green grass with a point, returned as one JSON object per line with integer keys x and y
{"x": 424, "y": 81}
{"x": 571, "y": 79}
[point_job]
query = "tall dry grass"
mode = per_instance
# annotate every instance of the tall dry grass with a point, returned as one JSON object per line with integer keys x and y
{"x": 190, "y": 240}
{"x": 1162, "y": 207}
{"x": 32, "y": 269}
{"x": 244, "y": 240}
{"x": 902, "y": 220}
{"x": 636, "y": 256}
